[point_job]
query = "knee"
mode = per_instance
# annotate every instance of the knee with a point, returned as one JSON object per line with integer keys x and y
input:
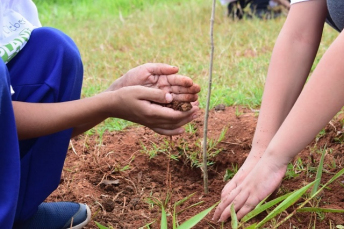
{"x": 55, "y": 44}
{"x": 61, "y": 55}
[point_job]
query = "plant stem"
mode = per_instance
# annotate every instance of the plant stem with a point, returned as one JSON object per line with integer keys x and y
{"x": 205, "y": 169}
{"x": 168, "y": 175}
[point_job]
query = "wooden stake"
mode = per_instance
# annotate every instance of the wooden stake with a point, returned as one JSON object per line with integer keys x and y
{"x": 205, "y": 156}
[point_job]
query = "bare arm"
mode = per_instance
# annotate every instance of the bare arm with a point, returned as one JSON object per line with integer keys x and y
{"x": 291, "y": 61}
{"x": 123, "y": 99}
{"x": 39, "y": 119}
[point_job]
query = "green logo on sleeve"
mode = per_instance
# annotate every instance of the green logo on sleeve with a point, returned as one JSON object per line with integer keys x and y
{"x": 8, "y": 51}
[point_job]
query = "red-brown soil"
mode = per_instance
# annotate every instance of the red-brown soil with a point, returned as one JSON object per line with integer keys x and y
{"x": 115, "y": 177}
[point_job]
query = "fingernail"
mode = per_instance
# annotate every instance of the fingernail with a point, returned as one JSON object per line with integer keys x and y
{"x": 194, "y": 116}
{"x": 181, "y": 131}
{"x": 168, "y": 97}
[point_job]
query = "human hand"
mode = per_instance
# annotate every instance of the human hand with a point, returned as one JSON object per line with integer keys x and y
{"x": 140, "y": 104}
{"x": 259, "y": 183}
{"x": 161, "y": 76}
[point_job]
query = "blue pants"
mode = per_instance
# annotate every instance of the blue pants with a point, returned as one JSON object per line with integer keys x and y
{"x": 47, "y": 70}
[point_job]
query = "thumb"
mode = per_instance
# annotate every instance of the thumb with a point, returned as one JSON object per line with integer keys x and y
{"x": 154, "y": 95}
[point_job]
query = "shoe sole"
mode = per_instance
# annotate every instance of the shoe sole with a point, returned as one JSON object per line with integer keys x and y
{"x": 88, "y": 219}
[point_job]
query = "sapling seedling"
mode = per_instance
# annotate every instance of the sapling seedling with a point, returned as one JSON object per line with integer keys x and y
{"x": 206, "y": 116}
{"x": 165, "y": 212}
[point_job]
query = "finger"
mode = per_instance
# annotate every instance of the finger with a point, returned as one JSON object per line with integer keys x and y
{"x": 152, "y": 94}
{"x": 169, "y": 124}
{"x": 185, "y": 97}
{"x": 249, "y": 205}
{"x": 229, "y": 187}
{"x": 179, "y": 80}
{"x": 225, "y": 202}
{"x": 196, "y": 103}
{"x": 238, "y": 202}
{"x": 169, "y": 132}
{"x": 193, "y": 89}
{"x": 170, "y": 119}
{"x": 160, "y": 69}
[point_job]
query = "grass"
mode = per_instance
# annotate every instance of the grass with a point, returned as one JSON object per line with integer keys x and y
{"x": 115, "y": 36}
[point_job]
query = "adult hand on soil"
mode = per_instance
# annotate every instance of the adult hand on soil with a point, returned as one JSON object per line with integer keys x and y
{"x": 263, "y": 180}
{"x": 134, "y": 103}
{"x": 161, "y": 76}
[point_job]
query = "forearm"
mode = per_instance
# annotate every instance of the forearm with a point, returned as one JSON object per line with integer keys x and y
{"x": 318, "y": 103}
{"x": 39, "y": 119}
{"x": 291, "y": 61}
{"x": 85, "y": 127}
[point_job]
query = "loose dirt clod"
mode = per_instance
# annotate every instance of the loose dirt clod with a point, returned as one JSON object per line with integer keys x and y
{"x": 179, "y": 106}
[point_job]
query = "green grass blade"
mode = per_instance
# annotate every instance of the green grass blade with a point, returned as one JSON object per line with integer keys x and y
{"x": 319, "y": 174}
{"x": 252, "y": 226}
{"x": 234, "y": 218}
{"x": 183, "y": 200}
{"x": 263, "y": 207}
{"x": 196, "y": 219}
{"x": 175, "y": 213}
{"x": 163, "y": 224}
{"x": 191, "y": 206}
{"x": 286, "y": 203}
{"x": 147, "y": 225}
{"x": 100, "y": 226}
{"x": 340, "y": 173}
{"x": 262, "y": 202}
{"x": 320, "y": 210}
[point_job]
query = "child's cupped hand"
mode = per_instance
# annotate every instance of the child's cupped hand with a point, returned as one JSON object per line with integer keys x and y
{"x": 160, "y": 76}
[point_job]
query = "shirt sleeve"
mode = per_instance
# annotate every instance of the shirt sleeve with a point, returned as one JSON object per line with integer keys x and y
{"x": 296, "y": 1}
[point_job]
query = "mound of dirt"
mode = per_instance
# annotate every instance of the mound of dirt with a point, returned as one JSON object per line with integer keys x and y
{"x": 115, "y": 176}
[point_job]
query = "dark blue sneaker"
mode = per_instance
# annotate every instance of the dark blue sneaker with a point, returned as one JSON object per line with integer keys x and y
{"x": 59, "y": 215}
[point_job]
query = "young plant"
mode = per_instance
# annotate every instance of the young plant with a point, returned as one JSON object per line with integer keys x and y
{"x": 190, "y": 128}
{"x": 154, "y": 149}
{"x": 230, "y": 173}
{"x": 195, "y": 156}
{"x": 175, "y": 224}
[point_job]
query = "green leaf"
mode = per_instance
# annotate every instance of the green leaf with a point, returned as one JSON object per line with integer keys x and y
{"x": 263, "y": 207}
{"x": 197, "y": 218}
{"x": 175, "y": 213}
{"x": 320, "y": 210}
{"x": 100, "y": 226}
{"x": 341, "y": 172}
{"x": 319, "y": 174}
{"x": 234, "y": 218}
{"x": 163, "y": 224}
{"x": 252, "y": 226}
{"x": 191, "y": 206}
{"x": 286, "y": 203}
{"x": 183, "y": 200}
